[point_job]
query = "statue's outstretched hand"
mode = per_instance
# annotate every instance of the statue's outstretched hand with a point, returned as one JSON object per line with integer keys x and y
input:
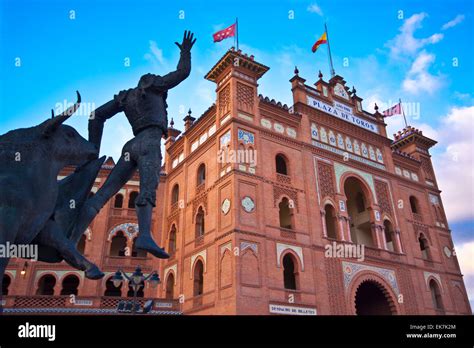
{"x": 188, "y": 41}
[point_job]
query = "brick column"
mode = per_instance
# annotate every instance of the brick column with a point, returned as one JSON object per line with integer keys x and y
{"x": 323, "y": 220}
{"x": 383, "y": 239}
{"x": 375, "y": 235}
{"x": 398, "y": 243}
{"x": 57, "y": 288}
{"x": 340, "y": 236}
{"x": 348, "y": 224}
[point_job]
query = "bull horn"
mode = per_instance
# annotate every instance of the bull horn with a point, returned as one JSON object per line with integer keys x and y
{"x": 52, "y": 113}
{"x": 50, "y": 126}
{"x": 73, "y": 108}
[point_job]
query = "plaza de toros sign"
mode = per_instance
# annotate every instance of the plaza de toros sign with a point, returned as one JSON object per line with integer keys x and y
{"x": 343, "y": 112}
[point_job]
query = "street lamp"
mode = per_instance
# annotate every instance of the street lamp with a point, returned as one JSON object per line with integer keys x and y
{"x": 136, "y": 280}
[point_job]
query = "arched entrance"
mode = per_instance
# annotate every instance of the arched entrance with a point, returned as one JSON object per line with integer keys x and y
{"x": 111, "y": 290}
{"x": 46, "y": 285}
{"x": 372, "y": 299}
{"x": 358, "y": 209}
{"x": 70, "y": 285}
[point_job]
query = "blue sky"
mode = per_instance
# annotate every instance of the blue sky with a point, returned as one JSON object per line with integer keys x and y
{"x": 419, "y": 51}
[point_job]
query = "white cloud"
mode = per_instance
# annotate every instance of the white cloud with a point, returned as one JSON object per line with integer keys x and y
{"x": 465, "y": 255}
{"x": 454, "y": 166}
{"x": 155, "y": 54}
{"x": 452, "y": 23}
{"x": 405, "y": 44}
{"x": 454, "y": 162}
{"x": 314, "y": 8}
{"x": 419, "y": 79}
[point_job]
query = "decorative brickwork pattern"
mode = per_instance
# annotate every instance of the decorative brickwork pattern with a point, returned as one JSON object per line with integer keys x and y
{"x": 201, "y": 200}
{"x": 224, "y": 100}
{"x": 427, "y": 168}
{"x": 279, "y": 191}
{"x": 245, "y": 97}
{"x": 283, "y": 179}
{"x": 40, "y": 301}
{"x": 381, "y": 189}
{"x": 335, "y": 286}
{"x": 326, "y": 180}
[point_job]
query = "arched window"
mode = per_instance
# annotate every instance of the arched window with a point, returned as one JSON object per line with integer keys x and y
{"x": 137, "y": 252}
{"x": 70, "y": 285}
{"x": 330, "y": 219}
{"x": 81, "y": 246}
{"x": 5, "y": 284}
{"x": 281, "y": 165}
{"x": 198, "y": 278}
{"x": 111, "y": 290}
{"x": 118, "y": 245}
{"x": 175, "y": 194}
{"x": 46, "y": 285}
{"x": 414, "y": 205}
{"x": 289, "y": 272}
{"x": 436, "y": 295}
{"x": 118, "y": 203}
{"x": 357, "y": 201}
{"x": 131, "y": 199}
{"x": 172, "y": 240}
{"x": 285, "y": 213}
{"x": 201, "y": 174}
{"x": 425, "y": 254}
{"x": 388, "y": 230}
{"x": 170, "y": 287}
{"x": 140, "y": 292}
{"x": 200, "y": 223}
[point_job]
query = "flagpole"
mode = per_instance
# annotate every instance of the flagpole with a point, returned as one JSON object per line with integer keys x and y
{"x": 237, "y": 29}
{"x": 333, "y": 73}
{"x": 403, "y": 112}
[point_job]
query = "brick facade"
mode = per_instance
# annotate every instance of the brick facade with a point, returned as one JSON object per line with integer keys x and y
{"x": 244, "y": 249}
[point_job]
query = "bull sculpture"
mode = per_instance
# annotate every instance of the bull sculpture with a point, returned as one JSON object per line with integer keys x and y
{"x": 34, "y": 207}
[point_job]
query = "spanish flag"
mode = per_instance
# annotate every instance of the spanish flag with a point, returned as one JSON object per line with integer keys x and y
{"x": 322, "y": 40}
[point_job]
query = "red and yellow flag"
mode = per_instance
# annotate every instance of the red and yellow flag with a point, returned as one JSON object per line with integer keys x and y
{"x": 322, "y": 40}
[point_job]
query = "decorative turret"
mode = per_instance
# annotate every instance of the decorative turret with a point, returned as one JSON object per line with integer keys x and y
{"x": 236, "y": 75}
{"x": 322, "y": 86}
{"x": 172, "y": 133}
{"x": 411, "y": 141}
{"x": 188, "y": 121}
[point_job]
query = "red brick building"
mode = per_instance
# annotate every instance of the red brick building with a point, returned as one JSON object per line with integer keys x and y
{"x": 254, "y": 197}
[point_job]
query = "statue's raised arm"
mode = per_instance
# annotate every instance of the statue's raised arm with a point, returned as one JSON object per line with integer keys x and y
{"x": 183, "y": 69}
